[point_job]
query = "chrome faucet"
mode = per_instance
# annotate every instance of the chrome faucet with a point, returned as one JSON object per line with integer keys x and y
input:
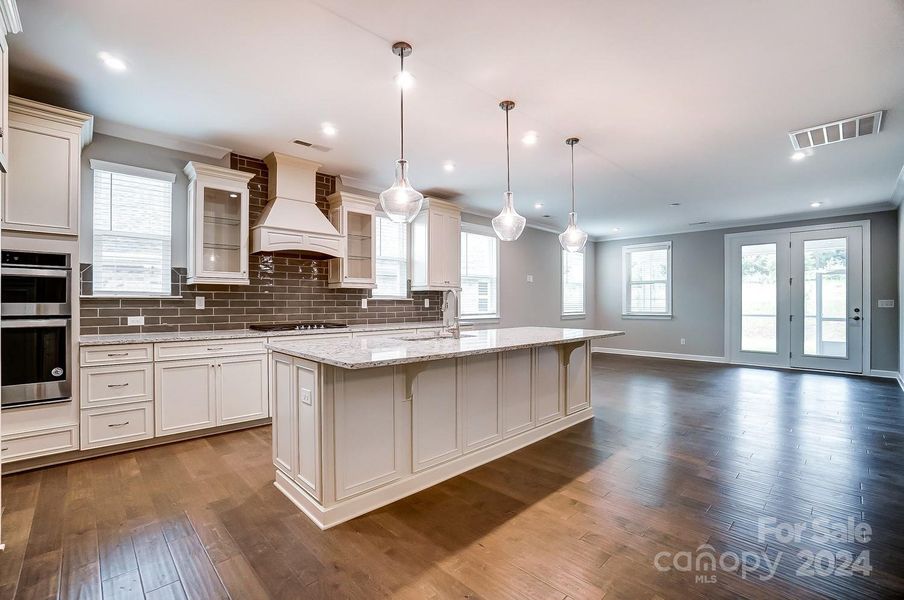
{"x": 451, "y": 320}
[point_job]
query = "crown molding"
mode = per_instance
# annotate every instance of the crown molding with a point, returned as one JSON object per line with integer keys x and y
{"x": 83, "y": 122}
{"x": 155, "y": 138}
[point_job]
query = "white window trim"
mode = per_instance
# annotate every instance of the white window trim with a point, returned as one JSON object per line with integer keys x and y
{"x": 487, "y": 231}
{"x": 375, "y": 298}
{"x": 564, "y": 315}
{"x": 626, "y": 252}
{"x": 122, "y": 169}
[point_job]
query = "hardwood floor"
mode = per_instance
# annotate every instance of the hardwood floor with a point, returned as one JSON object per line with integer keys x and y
{"x": 679, "y": 455}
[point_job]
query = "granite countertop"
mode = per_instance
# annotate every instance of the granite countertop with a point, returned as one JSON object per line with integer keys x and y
{"x": 367, "y": 352}
{"x": 230, "y": 334}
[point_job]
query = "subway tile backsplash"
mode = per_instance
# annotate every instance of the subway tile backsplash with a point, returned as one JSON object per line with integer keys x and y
{"x": 295, "y": 290}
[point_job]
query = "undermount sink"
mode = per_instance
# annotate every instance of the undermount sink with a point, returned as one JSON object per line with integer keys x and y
{"x": 420, "y": 337}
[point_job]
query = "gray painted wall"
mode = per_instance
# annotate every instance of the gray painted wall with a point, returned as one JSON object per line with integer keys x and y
{"x": 698, "y": 294}
{"x": 136, "y": 154}
{"x": 900, "y": 216}
{"x": 537, "y": 253}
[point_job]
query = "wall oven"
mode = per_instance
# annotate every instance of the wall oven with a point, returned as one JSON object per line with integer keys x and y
{"x": 36, "y": 328}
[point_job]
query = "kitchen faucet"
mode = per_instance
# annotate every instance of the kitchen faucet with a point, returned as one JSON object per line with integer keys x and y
{"x": 451, "y": 321}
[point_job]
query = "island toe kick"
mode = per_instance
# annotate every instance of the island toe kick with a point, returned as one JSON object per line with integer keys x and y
{"x": 348, "y": 441}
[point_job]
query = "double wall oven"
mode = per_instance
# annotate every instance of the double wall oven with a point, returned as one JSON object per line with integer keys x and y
{"x": 36, "y": 327}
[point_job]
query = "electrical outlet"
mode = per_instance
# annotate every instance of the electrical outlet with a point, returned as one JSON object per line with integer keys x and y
{"x": 683, "y": 341}
{"x": 886, "y": 303}
{"x": 426, "y": 302}
{"x": 530, "y": 278}
{"x": 363, "y": 302}
{"x": 199, "y": 302}
{"x": 135, "y": 321}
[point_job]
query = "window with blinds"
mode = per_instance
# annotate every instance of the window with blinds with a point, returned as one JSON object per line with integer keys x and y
{"x": 391, "y": 259}
{"x": 572, "y": 284}
{"x": 647, "y": 279}
{"x": 479, "y": 272}
{"x": 132, "y": 230}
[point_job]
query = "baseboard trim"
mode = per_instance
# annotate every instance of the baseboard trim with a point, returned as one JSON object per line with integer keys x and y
{"x": 900, "y": 381}
{"x": 670, "y": 355}
{"x": 885, "y": 374}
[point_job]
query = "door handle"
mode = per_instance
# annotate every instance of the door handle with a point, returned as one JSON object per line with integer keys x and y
{"x": 855, "y": 318}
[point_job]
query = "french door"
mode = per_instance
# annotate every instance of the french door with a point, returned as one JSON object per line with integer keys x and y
{"x": 795, "y": 298}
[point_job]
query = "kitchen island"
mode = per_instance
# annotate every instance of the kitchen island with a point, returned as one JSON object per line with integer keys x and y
{"x": 359, "y": 423}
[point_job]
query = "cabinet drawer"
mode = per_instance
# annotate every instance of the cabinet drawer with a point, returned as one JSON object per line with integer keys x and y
{"x": 116, "y": 385}
{"x": 107, "y": 425}
{"x": 115, "y": 355}
{"x": 179, "y": 350}
{"x": 42, "y": 443}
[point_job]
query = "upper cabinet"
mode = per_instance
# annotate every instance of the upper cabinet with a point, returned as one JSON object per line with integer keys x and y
{"x": 353, "y": 216}
{"x": 218, "y": 224}
{"x": 436, "y": 247}
{"x": 44, "y": 146}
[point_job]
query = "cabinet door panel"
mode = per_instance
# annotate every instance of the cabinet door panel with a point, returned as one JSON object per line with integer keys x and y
{"x": 452, "y": 241}
{"x": 547, "y": 384}
{"x": 577, "y": 394}
{"x": 436, "y": 425}
{"x": 185, "y": 394}
{"x": 437, "y": 250}
{"x": 517, "y": 410}
{"x": 283, "y": 415}
{"x": 243, "y": 389}
{"x": 307, "y": 398}
{"x": 367, "y": 421}
{"x": 479, "y": 395}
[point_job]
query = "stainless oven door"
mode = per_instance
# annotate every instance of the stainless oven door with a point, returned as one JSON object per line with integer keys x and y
{"x": 35, "y": 292}
{"x": 36, "y": 361}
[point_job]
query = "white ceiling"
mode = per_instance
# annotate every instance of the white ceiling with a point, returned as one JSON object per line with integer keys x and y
{"x": 684, "y": 102}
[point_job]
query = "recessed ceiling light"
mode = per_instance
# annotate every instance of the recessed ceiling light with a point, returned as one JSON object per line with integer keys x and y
{"x": 530, "y": 138}
{"x": 815, "y": 204}
{"x": 328, "y": 129}
{"x": 114, "y": 63}
{"x": 404, "y": 80}
{"x": 448, "y": 166}
{"x": 616, "y": 229}
{"x": 798, "y": 156}
{"x": 538, "y": 205}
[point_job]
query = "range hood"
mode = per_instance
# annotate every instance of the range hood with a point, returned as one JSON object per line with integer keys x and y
{"x": 291, "y": 220}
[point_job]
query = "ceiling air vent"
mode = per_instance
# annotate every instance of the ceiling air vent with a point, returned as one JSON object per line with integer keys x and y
{"x": 312, "y": 146}
{"x": 837, "y": 131}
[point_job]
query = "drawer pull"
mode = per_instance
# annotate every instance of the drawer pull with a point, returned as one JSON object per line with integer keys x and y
{"x": 123, "y": 424}
{"x": 4, "y": 448}
{"x": 117, "y": 353}
{"x": 117, "y": 385}
{"x": 215, "y": 349}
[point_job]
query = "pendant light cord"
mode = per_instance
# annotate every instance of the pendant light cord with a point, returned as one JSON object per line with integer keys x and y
{"x": 572, "y": 177}
{"x": 402, "y": 109}
{"x": 508, "y": 167}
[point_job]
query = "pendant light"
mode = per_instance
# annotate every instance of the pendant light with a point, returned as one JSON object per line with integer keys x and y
{"x": 572, "y": 239}
{"x": 401, "y": 202}
{"x": 508, "y": 224}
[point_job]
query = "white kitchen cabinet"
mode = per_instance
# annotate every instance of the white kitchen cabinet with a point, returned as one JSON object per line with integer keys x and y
{"x": 547, "y": 384}
{"x": 32, "y": 444}
{"x": 517, "y": 408}
{"x": 478, "y": 393}
{"x": 242, "y": 394}
{"x": 353, "y": 216}
{"x": 185, "y": 396}
{"x": 4, "y": 106}
{"x": 435, "y": 416}
{"x": 119, "y": 424}
{"x": 577, "y": 380}
{"x": 435, "y": 247}
{"x": 44, "y": 155}
{"x": 218, "y": 224}
{"x": 116, "y": 384}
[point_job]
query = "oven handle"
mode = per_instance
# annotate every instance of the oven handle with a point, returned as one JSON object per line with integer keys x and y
{"x": 17, "y": 272}
{"x": 25, "y": 323}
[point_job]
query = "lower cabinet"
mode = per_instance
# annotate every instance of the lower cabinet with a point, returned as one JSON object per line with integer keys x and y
{"x": 39, "y": 443}
{"x": 435, "y": 419}
{"x": 197, "y": 394}
{"x": 109, "y": 425}
{"x": 296, "y": 422}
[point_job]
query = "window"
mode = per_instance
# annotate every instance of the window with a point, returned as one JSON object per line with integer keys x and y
{"x": 479, "y": 272}
{"x": 572, "y": 284}
{"x": 647, "y": 280}
{"x": 132, "y": 230}
{"x": 392, "y": 258}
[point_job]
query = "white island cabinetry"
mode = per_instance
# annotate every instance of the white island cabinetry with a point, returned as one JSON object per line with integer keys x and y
{"x": 359, "y": 423}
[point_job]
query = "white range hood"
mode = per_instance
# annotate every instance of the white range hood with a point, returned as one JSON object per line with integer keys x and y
{"x": 291, "y": 220}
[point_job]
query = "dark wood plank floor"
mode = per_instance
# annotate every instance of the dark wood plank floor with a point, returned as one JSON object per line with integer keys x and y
{"x": 679, "y": 455}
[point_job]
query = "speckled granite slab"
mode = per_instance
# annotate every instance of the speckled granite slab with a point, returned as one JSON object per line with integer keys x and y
{"x": 231, "y": 334}
{"x": 381, "y": 351}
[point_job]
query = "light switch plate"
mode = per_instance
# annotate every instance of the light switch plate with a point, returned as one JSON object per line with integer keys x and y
{"x": 363, "y": 302}
{"x": 886, "y": 303}
{"x": 530, "y": 278}
{"x": 199, "y": 302}
{"x": 135, "y": 320}
{"x": 426, "y": 302}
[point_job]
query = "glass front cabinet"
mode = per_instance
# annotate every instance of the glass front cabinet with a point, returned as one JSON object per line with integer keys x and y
{"x": 353, "y": 216}
{"x": 218, "y": 224}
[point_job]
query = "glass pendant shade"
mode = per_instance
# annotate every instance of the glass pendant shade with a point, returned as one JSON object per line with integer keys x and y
{"x": 573, "y": 239}
{"x": 401, "y": 202}
{"x": 508, "y": 224}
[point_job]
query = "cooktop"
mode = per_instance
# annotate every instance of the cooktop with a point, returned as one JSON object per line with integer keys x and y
{"x": 299, "y": 325}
